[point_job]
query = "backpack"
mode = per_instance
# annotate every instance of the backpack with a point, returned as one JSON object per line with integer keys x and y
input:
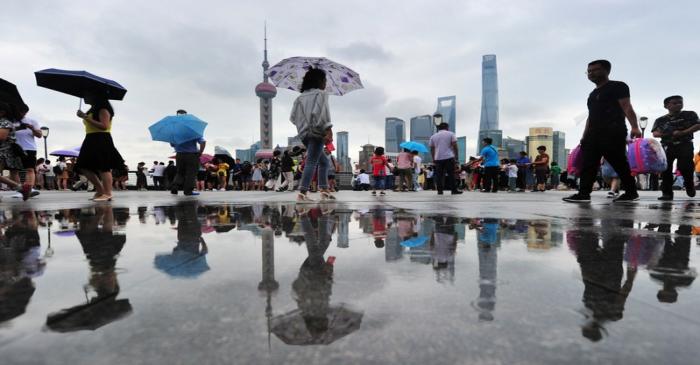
{"x": 57, "y": 170}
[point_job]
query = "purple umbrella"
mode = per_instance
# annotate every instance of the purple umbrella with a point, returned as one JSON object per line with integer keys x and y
{"x": 66, "y": 153}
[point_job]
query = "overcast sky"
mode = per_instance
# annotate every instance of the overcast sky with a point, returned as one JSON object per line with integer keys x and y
{"x": 205, "y": 57}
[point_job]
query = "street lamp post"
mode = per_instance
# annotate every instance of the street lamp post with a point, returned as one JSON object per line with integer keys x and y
{"x": 45, "y": 134}
{"x": 643, "y": 122}
{"x": 437, "y": 119}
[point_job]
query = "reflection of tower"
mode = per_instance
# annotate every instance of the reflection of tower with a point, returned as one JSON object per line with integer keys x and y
{"x": 268, "y": 284}
{"x": 343, "y": 229}
{"x": 488, "y": 260}
{"x": 265, "y": 91}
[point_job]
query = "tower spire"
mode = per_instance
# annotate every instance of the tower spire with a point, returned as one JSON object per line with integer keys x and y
{"x": 265, "y": 63}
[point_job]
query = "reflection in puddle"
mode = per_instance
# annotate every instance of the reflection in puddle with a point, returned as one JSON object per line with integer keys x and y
{"x": 610, "y": 255}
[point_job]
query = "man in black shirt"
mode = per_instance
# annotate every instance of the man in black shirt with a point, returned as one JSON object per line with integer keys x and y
{"x": 606, "y": 134}
{"x": 676, "y": 132}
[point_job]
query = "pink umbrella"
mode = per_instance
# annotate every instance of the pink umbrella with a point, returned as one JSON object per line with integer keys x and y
{"x": 204, "y": 158}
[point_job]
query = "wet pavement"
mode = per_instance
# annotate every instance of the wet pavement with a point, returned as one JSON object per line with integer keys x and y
{"x": 364, "y": 282}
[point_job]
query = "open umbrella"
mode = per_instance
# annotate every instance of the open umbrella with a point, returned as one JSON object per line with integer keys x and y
{"x": 9, "y": 94}
{"x": 177, "y": 129}
{"x": 79, "y": 83}
{"x": 289, "y": 73}
{"x": 204, "y": 158}
{"x": 182, "y": 263}
{"x": 66, "y": 153}
{"x": 414, "y": 146}
{"x": 90, "y": 316}
{"x": 294, "y": 329}
{"x": 224, "y": 155}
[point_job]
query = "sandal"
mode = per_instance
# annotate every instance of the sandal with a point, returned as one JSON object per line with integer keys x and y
{"x": 103, "y": 198}
{"x": 327, "y": 196}
{"x": 303, "y": 198}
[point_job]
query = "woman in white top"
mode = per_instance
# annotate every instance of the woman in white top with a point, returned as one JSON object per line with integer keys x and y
{"x": 313, "y": 121}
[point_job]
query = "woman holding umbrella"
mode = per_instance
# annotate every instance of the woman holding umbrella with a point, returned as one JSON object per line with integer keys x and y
{"x": 98, "y": 156}
{"x": 312, "y": 118}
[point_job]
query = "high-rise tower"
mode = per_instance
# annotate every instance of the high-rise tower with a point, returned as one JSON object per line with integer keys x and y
{"x": 447, "y": 107}
{"x": 266, "y": 92}
{"x": 394, "y": 134}
{"x": 489, "y": 93}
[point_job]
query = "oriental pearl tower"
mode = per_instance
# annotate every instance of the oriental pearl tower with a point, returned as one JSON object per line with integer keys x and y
{"x": 265, "y": 91}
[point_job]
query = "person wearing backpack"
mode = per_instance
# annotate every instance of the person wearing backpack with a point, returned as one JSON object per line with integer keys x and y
{"x": 676, "y": 132}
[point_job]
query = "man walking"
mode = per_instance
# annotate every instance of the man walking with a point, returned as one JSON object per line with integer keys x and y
{"x": 187, "y": 164}
{"x": 606, "y": 133}
{"x": 676, "y": 132}
{"x": 443, "y": 148}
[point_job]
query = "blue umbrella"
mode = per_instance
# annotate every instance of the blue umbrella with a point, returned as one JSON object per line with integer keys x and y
{"x": 415, "y": 241}
{"x": 414, "y": 146}
{"x": 181, "y": 263}
{"x": 178, "y": 129}
{"x": 79, "y": 83}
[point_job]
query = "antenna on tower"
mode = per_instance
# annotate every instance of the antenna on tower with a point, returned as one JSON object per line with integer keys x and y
{"x": 265, "y": 64}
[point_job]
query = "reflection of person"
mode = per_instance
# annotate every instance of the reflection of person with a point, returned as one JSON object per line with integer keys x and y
{"x": 443, "y": 246}
{"x": 19, "y": 262}
{"x": 101, "y": 247}
{"x": 313, "y": 286}
{"x": 605, "y": 294}
{"x": 672, "y": 270}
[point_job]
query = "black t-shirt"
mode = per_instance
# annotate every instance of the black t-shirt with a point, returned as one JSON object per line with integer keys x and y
{"x": 670, "y": 123}
{"x": 604, "y": 110}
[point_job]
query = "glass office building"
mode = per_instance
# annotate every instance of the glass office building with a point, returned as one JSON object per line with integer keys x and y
{"x": 422, "y": 128}
{"x": 489, "y": 94}
{"x": 462, "y": 149}
{"x": 559, "y": 148}
{"x": 394, "y": 134}
{"x": 447, "y": 106}
{"x": 342, "y": 151}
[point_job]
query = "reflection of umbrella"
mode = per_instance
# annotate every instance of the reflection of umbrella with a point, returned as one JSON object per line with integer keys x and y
{"x": 223, "y": 228}
{"x": 182, "y": 263}
{"x": 415, "y": 241}
{"x": 177, "y": 129}
{"x": 208, "y": 229}
{"x": 90, "y": 316}
{"x": 65, "y": 233}
{"x": 223, "y": 155}
{"x": 293, "y": 329}
{"x": 79, "y": 83}
{"x": 10, "y": 94}
{"x": 289, "y": 73}
{"x": 66, "y": 153}
{"x": 414, "y": 146}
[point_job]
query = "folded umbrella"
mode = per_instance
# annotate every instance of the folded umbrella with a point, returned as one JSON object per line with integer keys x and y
{"x": 289, "y": 73}
{"x": 177, "y": 129}
{"x": 414, "y": 146}
{"x": 79, "y": 83}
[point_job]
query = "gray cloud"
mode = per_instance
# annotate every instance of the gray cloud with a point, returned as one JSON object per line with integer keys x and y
{"x": 361, "y": 51}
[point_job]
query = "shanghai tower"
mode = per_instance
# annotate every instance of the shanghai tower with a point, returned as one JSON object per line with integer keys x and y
{"x": 488, "y": 125}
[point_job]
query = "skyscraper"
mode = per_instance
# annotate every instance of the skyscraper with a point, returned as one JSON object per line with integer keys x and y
{"x": 488, "y": 125}
{"x": 447, "y": 106}
{"x": 266, "y": 92}
{"x": 462, "y": 149}
{"x": 394, "y": 134}
{"x": 422, "y": 128}
{"x": 342, "y": 151}
{"x": 513, "y": 147}
{"x": 540, "y": 136}
{"x": 559, "y": 148}
{"x": 365, "y": 156}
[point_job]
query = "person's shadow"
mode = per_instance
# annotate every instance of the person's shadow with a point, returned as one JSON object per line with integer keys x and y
{"x": 101, "y": 247}
{"x": 605, "y": 294}
{"x": 672, "y": 270}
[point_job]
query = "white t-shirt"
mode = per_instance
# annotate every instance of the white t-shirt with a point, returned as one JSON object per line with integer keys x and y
{"x": 49, "y": 172}
{"x": 25, "y": 137}
{"x": 417, "y": 161}
{"x": 158, "y": 170}
{"x": 364, "y": 178}
{"x": 512, "y": 170}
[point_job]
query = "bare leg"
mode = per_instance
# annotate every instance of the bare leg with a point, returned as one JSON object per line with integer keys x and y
{"x": 99, "y": 188}
{"x": 106, "y": 183}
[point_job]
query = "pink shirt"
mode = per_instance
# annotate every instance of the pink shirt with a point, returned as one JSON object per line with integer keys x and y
{"x": 404, "y": 160}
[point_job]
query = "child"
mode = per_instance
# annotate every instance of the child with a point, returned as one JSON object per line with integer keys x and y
{"x": 363, "y": 180}
{"x": 512, "y": 170}
{"x": 222, "y": 171}
{"x": 378, "y": 162}
{"x": 257, "y": 176}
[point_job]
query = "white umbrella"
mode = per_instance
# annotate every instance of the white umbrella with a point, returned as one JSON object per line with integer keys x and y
{"x": 289, "y": 73}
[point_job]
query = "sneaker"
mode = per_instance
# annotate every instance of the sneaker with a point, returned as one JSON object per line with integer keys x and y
{"x": 374, "y": 193}
{"x": 382, "y": 193}
{"x": 577, "y": 198}
{"x": 174, "y": 191}
{"x": 690, "y": 190}
{"x": 34, "y": 193}
{"x": 627, "y": 197}
{"x": 665, "y": 198}
{"x": 194, "y": 193}
{"x": 613, "y": 194}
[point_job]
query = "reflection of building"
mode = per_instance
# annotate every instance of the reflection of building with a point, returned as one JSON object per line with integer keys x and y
{"x": 343, "y": 229}
{"x": 513, "y": 147}
{"x": 365, "y": 156}
{"x": 422, "y": 128}
{"x": 489, "y": 100}
{"x": 539, "y": 235}
{"x": 394, "y": 134}
{"x": 266, "y": 92}
{"x": 393, "y": 250}
{"x": 559, "y": 148}
{"x": 342, "y": 151}
{"x": 447, "y": 106}
{"x": 462, "y": 149}
{"x": 488, "y": 261}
